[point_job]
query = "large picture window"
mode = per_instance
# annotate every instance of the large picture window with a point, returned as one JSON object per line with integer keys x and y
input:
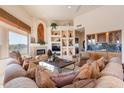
{"x": 18, "y": 42}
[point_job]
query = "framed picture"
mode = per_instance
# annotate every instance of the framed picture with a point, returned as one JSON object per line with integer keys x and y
{"x": 32, "y": 40}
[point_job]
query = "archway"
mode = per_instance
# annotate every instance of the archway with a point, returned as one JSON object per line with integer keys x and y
{"x": 40, "y": 32}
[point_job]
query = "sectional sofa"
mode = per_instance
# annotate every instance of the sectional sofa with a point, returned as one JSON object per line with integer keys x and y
{"x": 97, "y": 73}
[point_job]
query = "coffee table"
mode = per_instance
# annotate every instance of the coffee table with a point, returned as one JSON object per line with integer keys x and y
{"x": 57, "y": 66}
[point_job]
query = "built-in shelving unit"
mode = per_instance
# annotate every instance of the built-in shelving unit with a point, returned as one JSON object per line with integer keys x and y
{"x": 63, "y": 41}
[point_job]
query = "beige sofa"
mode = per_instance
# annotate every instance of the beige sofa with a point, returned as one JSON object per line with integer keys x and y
{"x": 94, "y": 55}
{"x": 110, "y": 77}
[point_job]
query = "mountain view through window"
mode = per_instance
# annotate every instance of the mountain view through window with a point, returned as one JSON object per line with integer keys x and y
{"x": 18, "y": 42}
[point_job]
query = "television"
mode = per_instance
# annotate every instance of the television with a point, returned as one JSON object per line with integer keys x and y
{"x": 56, "y": 48}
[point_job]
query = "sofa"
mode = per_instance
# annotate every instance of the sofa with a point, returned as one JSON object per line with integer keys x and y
{"x": 94, "y": 74}
{"x": 94, "y": 55}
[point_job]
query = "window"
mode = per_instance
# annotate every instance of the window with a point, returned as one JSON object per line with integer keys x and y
{"x": 18, "y": 42}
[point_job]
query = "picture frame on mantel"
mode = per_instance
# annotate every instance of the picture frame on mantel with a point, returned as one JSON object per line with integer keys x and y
{"x": 32, "y": 39}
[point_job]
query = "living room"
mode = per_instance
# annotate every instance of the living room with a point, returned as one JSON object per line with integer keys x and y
{"x": 70, "y": 42}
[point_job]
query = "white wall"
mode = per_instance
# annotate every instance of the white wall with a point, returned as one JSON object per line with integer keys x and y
{"x": 0, "y": 43}
{"x": 4, "y": 43}
{"x": 105, "y": 18}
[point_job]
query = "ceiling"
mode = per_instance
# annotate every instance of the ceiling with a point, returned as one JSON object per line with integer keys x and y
{"x": 58, "y": 12}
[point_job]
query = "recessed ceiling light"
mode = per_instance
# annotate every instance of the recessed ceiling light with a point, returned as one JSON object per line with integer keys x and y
{"x": 69, "y": 7}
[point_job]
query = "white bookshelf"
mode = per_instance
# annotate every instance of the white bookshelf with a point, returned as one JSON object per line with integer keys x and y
{"x": 63, "y": 36}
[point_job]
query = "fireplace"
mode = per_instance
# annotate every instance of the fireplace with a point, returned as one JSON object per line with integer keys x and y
{"x": 40, "y": 51}
{"x": 37, "y": 49}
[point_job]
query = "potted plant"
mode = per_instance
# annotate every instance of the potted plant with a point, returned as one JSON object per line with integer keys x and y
{"x": 41, "y": 42}
{"x": 53, "y": 25}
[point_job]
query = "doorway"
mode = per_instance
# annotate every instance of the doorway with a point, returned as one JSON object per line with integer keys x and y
{"x": 79, "y": 40}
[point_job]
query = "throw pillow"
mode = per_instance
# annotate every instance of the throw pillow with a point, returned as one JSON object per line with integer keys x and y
{"x": 43, "y": 80}
{"x": 16, "y": 55}
{"x": 31, "y": 70}
{"x": 85, "y": 72}
{"x": 95, "y": 70}
{"x": 64, "y": 78}
{"x": 25, "y": 64}
{"x": 101, "y": 63}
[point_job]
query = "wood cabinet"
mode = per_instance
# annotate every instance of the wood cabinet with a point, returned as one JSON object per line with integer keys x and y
{"x": 101, "y": 37}
{"x": 106, "y": 37}
{"x": 106, "y": 41}
{"x": 115, "y": 37}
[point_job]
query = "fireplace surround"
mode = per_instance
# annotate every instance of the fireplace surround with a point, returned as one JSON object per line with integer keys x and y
{"x": 37, "y": 49}
{"x": 40, "y": 51}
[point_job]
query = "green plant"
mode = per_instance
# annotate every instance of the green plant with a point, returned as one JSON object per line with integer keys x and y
{"x": 41, "y": 42}
{"x": 53, "y": 25}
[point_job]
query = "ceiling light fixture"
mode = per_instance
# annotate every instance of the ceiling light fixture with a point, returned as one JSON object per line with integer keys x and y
{"x": 69, "y": 7}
